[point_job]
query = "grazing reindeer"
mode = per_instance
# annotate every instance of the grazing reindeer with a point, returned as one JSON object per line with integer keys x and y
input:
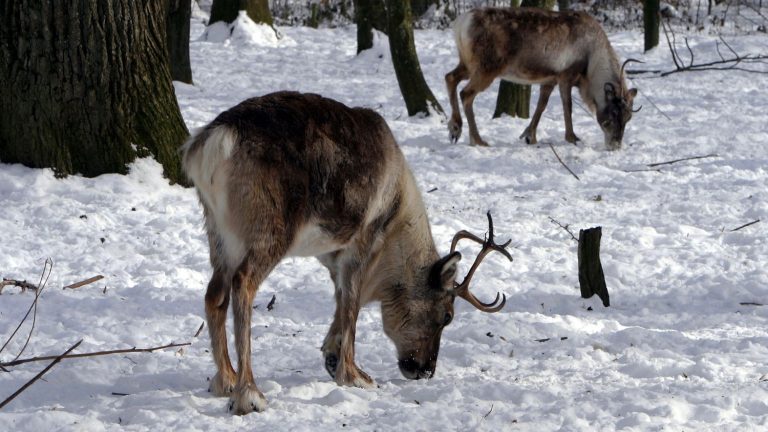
{"x": 292, "y": 174}
{"x": 534, "y": 46}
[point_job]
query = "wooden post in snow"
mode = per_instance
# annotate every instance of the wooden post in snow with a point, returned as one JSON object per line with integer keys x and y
{"x": 591, "y": 277}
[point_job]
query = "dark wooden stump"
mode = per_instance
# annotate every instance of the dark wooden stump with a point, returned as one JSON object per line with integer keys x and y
{"x": 591, "y": 277}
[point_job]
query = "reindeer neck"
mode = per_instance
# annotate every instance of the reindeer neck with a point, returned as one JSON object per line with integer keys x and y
{"x": 603, "y": 68}
{"x": 408, "y": 249}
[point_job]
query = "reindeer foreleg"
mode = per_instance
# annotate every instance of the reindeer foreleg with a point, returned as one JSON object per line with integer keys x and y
{"x": 477, "y": 83}
{"x": 529, "y": 134}
{"x": 339, "y": 345}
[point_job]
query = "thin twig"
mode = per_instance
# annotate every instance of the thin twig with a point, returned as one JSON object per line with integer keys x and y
{"x": 94, "y": 354}
{"x": 84, "y": 282}
{"x": 271, "y": 303}
{"x": 563, "y": 163}
{"x": 489, "y": 412}
{"x": 565, "y": 227}
{"x": 24, "y": 285}
{"x": 681, "y": 160}
{"x": 39, "y": 375}
{"x": 655, "y": 106}
{"x": 38, "y": 291}
{"x": 34, "y": 313}
{"x": 642, "y": 170}
{"x": 200, "y": 329}
{"x": 750, "y": 304}
{"x": 746, "y": 225}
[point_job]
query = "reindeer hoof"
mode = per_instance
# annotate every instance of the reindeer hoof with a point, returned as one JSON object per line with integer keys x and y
{"x": 573, "y": 139}
{"x": 354, "y": 377}
{"x": 221, "y": 385}
{"x": 247, "y": 400}
{"x": 454, "y": 131}
{"x": 530, "y": 138}
{"x": 331, "y": 363}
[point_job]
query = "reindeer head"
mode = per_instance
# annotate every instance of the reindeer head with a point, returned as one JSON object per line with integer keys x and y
{"x": 617, "y": 110}
{"x": 416, "y": 319}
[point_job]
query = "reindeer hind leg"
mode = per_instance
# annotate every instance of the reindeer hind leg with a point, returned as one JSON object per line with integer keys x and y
{"x": 245, "y": 283}
{"x": 216, "y": 305}
{"x": 452, "y": 80}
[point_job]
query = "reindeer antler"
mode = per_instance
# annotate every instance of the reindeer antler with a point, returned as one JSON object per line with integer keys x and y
{"x": 489, "y": 245}
{"x": 629, "y": 60}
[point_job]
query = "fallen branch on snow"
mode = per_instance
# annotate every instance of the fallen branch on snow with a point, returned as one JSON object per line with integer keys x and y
{"x": 39, "y": 375}
{"x": 93, "y": 354}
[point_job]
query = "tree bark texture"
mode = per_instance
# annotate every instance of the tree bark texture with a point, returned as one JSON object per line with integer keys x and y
{"x": 515, "y": 99}
{"x": 177, "y": 33}
{"x": 591, "y": 277}
{"x": 87, "y": 87}
{"x": 416, "y": 93}
{"x": 651, "y": 23}
{"x": 227, "y": 10}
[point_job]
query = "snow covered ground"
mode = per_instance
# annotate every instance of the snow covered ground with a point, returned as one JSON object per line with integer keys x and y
{"x": 676, "y": 350}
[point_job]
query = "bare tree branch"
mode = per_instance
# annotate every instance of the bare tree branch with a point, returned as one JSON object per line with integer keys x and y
{"x": 563, "y": 163}
{"x": 745, "y": 225}
{"x": 94, "y": 354}
{"x": 24, "y": 285}
{"x": 39, "y": 375}
{"x": 565, "y": 227}
{"x": 47, "y": 268}
{"x": 681, "y": 160}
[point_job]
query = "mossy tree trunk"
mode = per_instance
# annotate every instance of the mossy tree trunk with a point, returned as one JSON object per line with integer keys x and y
{"x": 177, "y": 32}
{"x": 87, "y": 86}
{"x": 227, "y": 11}
{"x": 515, "y": 99}
{"x": 416, "y": 93}
{"x": 651, "y": 23}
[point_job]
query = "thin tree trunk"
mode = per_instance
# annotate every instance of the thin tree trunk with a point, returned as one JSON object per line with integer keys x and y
{"x": 416, "y": 93}
{"x": 227, "y": 11}
{"x": 87, "y": 86}
{"x": 651, "y": 23}
{"x": 177, "y": 32}
{"x": 363, "y": 14}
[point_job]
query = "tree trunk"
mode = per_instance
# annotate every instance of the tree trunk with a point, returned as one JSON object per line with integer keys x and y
{"x": 416, "y": 93}
{"x": 227, "y": 10}
{"x": 651, "y": 23}
{"x": 515, "y": 99}
{"x": 177, "y": 32}
{"x": 87, "y": 86}
{"x": 420, "y": 7}
{"x": 563, "y": 5}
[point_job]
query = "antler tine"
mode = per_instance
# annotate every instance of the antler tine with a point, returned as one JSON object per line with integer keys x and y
{"x": 629, "y": 60}
{"x": 489, "y": 245}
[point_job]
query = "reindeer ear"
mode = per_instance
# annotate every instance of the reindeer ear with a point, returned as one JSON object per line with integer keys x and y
{"x": 632, "y": 93}
{"x": 443, "y": 272}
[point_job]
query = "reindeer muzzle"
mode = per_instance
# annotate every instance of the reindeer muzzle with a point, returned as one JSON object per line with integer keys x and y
{"x": 411, "y": 369}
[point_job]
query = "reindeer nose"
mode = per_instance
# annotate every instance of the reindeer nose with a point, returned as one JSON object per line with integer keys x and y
{"x": 411, "y": 369}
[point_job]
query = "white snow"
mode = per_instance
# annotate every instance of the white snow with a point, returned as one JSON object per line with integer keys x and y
{"x": 675, "y": 350}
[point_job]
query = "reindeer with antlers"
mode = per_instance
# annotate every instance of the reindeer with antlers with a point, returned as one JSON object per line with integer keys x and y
{"x": 291, "y": 174}
{"x": 535, "y": 46}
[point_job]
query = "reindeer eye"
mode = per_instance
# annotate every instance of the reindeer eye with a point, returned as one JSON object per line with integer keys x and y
{"x": 447, "y": 319}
